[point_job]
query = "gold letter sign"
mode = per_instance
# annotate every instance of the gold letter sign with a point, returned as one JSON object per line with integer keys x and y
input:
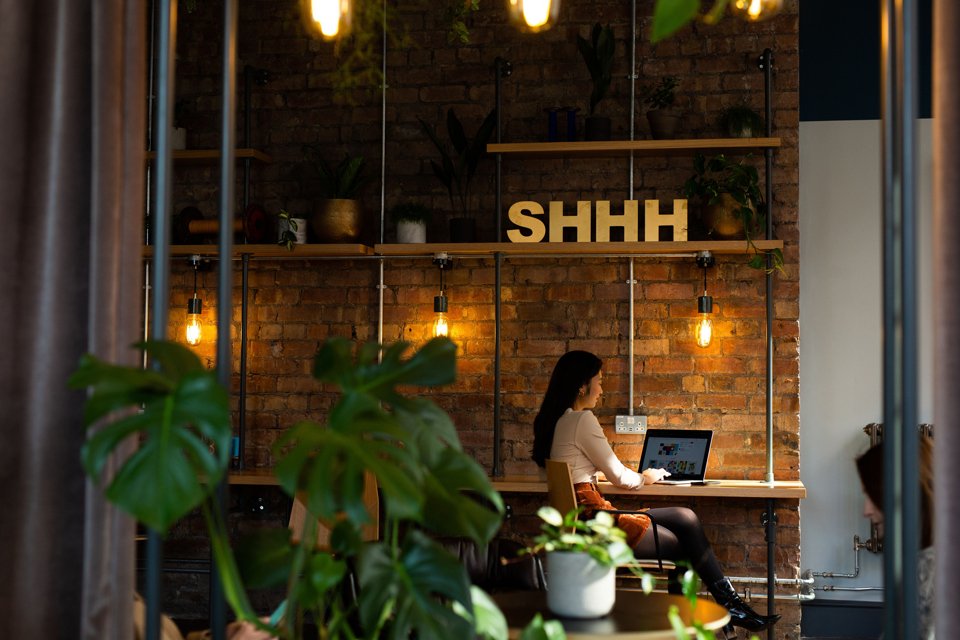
{"x": 533, "y": 229}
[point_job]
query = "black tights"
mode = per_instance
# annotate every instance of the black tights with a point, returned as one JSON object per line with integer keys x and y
{"x": 681, "y": 538}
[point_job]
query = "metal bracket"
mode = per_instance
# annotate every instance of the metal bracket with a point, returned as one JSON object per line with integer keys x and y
{"x": 766, "y": 518}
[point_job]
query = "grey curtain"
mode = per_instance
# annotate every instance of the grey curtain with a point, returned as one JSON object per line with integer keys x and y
{"x": 72, "y": 113}
{"x": 946, "y": 269}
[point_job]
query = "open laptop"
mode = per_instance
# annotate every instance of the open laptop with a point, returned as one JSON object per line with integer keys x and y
{"x": 682, "y": 452}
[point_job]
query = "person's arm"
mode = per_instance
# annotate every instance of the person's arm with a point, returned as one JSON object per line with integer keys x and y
{"x": 591, "y": 440}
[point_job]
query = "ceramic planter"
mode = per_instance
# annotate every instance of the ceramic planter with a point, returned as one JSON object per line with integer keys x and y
{"x": 411, "y": 232}
{"x": 719, "y": 220}
{"x": 337, "y": 220}
{"x": 579, "y": 586}
{"x": 663, "y": 123}
{"x": 300, "y": 233}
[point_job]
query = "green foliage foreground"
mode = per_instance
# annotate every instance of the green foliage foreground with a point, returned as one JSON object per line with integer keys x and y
{"x": 408, "y": 583}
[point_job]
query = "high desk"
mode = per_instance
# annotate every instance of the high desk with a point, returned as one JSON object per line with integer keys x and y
{"x": 717, "y": 488}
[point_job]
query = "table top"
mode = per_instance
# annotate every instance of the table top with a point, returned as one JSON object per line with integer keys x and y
{"x": 717, "y": 488}
{"x": 635, "y": 615}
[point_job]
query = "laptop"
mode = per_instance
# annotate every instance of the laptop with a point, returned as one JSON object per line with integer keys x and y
{"x": 682, "y": 452}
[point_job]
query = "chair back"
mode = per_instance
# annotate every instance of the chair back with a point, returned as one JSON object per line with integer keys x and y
{"x": 560, "y": 491}
{"x": 369, "y": 532}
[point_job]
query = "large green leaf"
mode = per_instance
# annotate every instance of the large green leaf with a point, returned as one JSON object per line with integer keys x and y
{"x": 181, "y": 415}
{"x": 265, "y": 558}
{"x": 417, "y": 587}
{"x": 669, "y": 16}
{"x": 460, "y": 501}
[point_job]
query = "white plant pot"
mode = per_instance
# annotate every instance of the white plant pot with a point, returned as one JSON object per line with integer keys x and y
{"x": 411, "y": 232}
{"x": 300, "y": 233}
{"x": 579, "y": 586}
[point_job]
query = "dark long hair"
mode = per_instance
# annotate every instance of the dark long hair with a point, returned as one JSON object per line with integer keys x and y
{"x": 573, "y": 370}
{"x": 870, "y": 469}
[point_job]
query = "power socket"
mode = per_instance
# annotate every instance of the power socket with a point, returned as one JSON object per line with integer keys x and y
{"x": 631, "y": 424}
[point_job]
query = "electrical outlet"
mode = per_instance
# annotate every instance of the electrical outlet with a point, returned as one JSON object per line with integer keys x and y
{"x": 631, "y": 424}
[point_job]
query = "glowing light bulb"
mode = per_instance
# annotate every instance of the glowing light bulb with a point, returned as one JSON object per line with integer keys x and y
{"x": 441, "y": 327}
{"x": 534, "y": 15}
{"x": 704, "y": 330}
{"x": 756, "y": 10}
{"x": 331, "y": 16}
{"x": 194, "y": 327}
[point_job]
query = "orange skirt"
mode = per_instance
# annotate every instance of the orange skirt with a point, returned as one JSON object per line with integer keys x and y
{"x": 590, "y": 498}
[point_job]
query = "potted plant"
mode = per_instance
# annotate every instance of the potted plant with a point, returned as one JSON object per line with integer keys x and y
{"x": 411, "y": 219}
{"x": 741, "y": 122}
{"x": 290, "y": 230}
{"x": 730, "y": 203}
{"x": 338, "y": 216}
{"x": 659, "y": 98}
{"x": 597, "y": 53}
{"x": 582, "y": 557}
{"x": 459, "y": 156}
{"x": 409, "y": 585}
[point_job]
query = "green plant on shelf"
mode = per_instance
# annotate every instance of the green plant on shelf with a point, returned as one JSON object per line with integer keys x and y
{"x": 720, "y": 175}
{"x": 288, "y": 237}
{"x": 597, "y": 54}
{"x": 661, "y": 95}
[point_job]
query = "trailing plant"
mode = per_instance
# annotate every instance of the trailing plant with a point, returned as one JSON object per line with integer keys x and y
{"x": 662, "y": 94}
{"x": 344, "y": 181}
{"x": 597, "y": 54}
{"x": 669, "y": 16}
{"x": 718, "y": 175}
{"x": 460, "y": 155}
{"x": 741, "y": 119}
{"x": 411, "y": 212}
{"x": 408, "y": 583}
{"x": 288, "y": 237}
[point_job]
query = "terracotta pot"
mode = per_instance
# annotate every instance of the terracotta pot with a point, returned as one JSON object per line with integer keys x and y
{"x": 719, "y": 220}
{"x": 337, "y": 220}
{"x": 663, "y": 123}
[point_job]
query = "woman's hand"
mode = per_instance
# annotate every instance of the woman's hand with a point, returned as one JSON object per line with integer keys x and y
{"x": 652, "y": 476}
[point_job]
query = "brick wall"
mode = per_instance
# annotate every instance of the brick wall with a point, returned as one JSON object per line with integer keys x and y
{"x": 549, "y": 305}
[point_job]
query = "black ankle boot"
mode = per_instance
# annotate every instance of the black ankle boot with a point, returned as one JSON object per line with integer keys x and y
{"x": 741, "y": 615}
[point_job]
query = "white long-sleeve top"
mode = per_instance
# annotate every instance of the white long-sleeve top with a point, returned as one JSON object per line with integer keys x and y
{"x": 579, "y": 441}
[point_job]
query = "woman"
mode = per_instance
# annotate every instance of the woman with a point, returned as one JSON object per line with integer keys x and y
{"x": 566, "y": 429}
{"x": 870, "y": 470}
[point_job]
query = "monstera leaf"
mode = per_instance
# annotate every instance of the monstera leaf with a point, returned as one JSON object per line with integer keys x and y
{"x": 179, "y": 412}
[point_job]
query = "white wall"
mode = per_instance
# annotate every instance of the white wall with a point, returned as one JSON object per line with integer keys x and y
{"x": 841, "y": 335}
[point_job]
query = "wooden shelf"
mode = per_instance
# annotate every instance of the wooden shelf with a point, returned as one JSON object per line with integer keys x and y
{"x": 578, "y": 248}
{"x": 788, "y": 489}
{"x": 645, "y": 147}
{"x": 300, "y": 251}
{"x": 206, "y": 155}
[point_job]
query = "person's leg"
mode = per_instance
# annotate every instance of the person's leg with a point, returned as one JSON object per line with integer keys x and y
{"x": 682, "y": 538}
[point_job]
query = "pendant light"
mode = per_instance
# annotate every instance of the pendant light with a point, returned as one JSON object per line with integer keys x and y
{"x": 756, "y": 10}
{"x": 704, "y": 326}
{"x": 441, "y": 325}
{"x": 194, "y": 308}
{"x": 534, "y": 15}
{"x": 328, "y": 19}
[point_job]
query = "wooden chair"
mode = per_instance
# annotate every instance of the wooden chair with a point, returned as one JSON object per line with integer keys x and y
{"x": 370, "y": 532}
{"x": 563, "y": 498}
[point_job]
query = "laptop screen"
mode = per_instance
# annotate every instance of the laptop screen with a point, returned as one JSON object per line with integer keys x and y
{"x": 682, "y": 452}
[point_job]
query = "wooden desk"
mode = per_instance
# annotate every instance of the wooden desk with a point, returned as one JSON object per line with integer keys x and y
{"x": 635, "y": 616}
{"x": 780, "y": 489}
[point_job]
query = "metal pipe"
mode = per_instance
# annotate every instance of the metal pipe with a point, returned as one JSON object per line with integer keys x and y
{"x": 901, "y": 497}
{"x": 242, "y": 402}
{"x": 631, "y": 278}
{"x": 766, "y": 63}
{"x": 771, "y": 535}
{"x": 166, "y": 66}
{"x": 383, "y": 176}
{"x": 497, "y": 312}
{"x": 218, "y": 606}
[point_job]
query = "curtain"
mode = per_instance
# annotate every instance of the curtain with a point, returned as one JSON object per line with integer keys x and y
{"x": 946, "y": 270}
{"x": 72, "y": 118}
